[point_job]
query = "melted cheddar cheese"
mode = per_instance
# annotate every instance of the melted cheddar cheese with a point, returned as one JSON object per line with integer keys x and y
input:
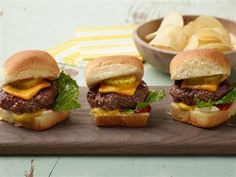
{"x": 209, "y": 87}
{"x": 26, "y": 117}
{"x": 125, "y": 90}
{"x": 185, "y": 107}
{"x": 27, "y": 93}
{"x": 102, "y": 112}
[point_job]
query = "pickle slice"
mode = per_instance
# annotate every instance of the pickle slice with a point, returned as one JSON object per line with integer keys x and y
{"x": 26, "y": 83}
{"x": 204, "y": 80}
{"x": 123, "y": 80}
{"x": 206, "y": 83}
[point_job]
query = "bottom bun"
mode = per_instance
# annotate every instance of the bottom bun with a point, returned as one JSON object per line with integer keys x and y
{"x": 47, "y": 119}
{"x": 202, "y": 119}
{"x": 133, "y": 120}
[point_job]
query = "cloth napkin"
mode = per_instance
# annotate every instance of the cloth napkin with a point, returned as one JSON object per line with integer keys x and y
{"x": 92, "y": 42}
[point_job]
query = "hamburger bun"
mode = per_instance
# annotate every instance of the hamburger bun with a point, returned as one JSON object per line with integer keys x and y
{"x": 199, "y": 63}
{"x": 30, "y": 64}
{"x": 112, "y": 66}
{"x": 202, "y": 119}
{"x": 26, "y": 65}
{"x": 47, "y": 119}
{"x": 133, "y": 120}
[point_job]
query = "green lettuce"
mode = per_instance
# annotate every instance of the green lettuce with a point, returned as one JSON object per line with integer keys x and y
{"x": 153, "y": 96}
{"x": 68, "y": 94}
{"x": 229, "y": 98}
{"x": 128, "y": 111}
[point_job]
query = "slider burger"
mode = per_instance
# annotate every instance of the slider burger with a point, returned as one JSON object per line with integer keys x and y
{"x": 34, "y": 94}
{"x": 117, "y": 94}
{"x": 203, "y": 95}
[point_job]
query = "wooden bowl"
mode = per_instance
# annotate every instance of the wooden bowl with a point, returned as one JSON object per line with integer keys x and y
{"x": 160, "y": 58}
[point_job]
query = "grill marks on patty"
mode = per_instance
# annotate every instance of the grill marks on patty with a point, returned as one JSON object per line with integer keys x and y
{"x": 110, "y": 101}
{"x": 188, "y": 96}
{"x": 43, "y": 99}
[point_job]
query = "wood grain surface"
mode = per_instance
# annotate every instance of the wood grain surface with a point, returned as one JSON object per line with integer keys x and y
{"x": 79, "y": 135}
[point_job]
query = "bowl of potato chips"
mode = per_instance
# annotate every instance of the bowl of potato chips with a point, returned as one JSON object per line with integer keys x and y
{"x": 158, "y": 41}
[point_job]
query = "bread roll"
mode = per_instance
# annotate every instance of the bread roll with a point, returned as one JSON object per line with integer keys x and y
{"x": 47, "y": 119}
{"x": 133, "y": 120}
{"x": 202, "y": 119}
{"x": 112, "y": 66}
{"x": 199, "y": 63}
{"x": 30, "y": 64}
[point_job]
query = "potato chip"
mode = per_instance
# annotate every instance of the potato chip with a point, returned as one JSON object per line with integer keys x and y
{"x": 214, "y": 35}
{"x": 218, "y": 46}
{"x": 233, "y": 40}
{"x": 172, "y": 37}
{"x": 201, "y": 43}
{"x": 204, "y": 32}
{"x": 151, "y": 36}
{"x": 201, "y": 22}
{"x": 171, "y": 19}
{"x": 189, "y": 29}
{"x": 193, "y": 43}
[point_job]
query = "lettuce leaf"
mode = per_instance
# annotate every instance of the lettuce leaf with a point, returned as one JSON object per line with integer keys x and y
{"x": 203, "y": 104}
{"x": 128, "y": 111}
{"x": 153, "y": 96}
{"x": 229, "y": 98}
{"x": 68, "y": 94}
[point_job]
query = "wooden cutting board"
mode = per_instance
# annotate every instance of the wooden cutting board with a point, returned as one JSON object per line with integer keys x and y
{"x": 79, "y": 135}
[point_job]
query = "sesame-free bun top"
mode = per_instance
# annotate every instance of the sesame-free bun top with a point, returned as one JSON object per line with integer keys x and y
{"x": 107, "y": 67}
{"x": 30, "y": 64}
{"x": 199, "y": 63}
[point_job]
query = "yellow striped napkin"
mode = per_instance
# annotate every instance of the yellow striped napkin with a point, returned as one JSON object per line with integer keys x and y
{"x": 92, "y": 42}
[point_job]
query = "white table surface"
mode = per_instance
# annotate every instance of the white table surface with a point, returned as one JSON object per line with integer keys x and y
{"x": 41, "y": 25}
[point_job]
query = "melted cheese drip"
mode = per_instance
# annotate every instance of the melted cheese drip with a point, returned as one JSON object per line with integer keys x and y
{"x": 102, "y": 112}
{"x": 26, "y": 117}
{"x": 28, "y": 93}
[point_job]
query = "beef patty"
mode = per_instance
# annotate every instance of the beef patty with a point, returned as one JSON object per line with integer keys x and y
{"x": 111, "y": 101}
{"x": 43, "y": 99}
{"x": 188, "y": 96}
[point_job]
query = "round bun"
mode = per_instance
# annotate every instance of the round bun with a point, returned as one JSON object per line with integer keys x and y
{"x": 112, "y": 66}
{"x": 199, "y": 63}
{"x": 133, "y": 120}
{"x": 202, "y": 119}
{"x": 46, "y": 120}
{"x": 30, "y": 64}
